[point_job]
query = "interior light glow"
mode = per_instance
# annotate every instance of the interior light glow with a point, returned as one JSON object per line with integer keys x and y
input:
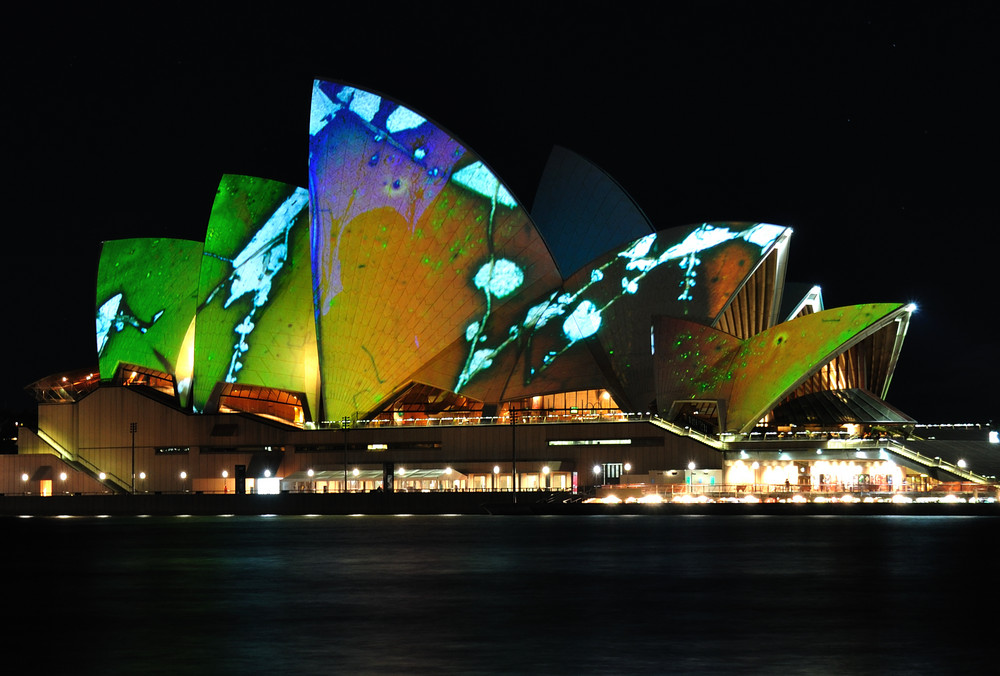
{"x": 271, "y": 486}
{"x": 590, "y": 442}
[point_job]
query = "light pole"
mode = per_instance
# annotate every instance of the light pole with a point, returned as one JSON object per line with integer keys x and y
{"x": 343, "y": 423}
{"x": 131, "y": 429}
{"x": 513, "y": 452}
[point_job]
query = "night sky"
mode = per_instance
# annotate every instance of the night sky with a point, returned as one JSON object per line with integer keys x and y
{"x": 871, "y": 132}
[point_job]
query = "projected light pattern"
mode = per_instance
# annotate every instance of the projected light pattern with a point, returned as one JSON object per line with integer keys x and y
{"x": 478, "y": 178}
{"x": 418, "y": 249}
{"x": 605, "y": 284}
{"x": 255, "y": 320}
{"x": 753, "y": 375}
{"x": 407, "y": 261}
{"x": 405, "y": 162}
{"x": 256, "y": 266}
{"x": 114, "y": 314}
{"x": 145, "y": 302}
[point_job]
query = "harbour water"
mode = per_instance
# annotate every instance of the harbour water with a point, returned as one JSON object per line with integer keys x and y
{"x": 502, "y": 594}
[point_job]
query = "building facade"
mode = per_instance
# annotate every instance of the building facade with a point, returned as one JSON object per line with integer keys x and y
{"x": 404, "y": 313}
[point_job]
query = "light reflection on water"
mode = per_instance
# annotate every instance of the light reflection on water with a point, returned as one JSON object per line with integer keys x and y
{"x": 477, "y": 594}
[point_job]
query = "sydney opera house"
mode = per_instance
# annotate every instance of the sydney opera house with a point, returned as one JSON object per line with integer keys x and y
{"x": 404, "y": 323}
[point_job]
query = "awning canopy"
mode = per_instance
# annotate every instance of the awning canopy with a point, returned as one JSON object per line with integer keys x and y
{"x": 831, "y": 408}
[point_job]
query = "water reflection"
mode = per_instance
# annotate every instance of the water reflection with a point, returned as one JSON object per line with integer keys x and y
{"x": 476, "y": 594}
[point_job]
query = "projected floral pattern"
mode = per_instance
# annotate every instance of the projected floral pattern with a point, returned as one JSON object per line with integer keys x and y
{"x": 582, "y": 308}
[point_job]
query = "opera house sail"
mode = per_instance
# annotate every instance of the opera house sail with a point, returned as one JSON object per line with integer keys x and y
{"x": 405, "y": 284}
{"x": 406, "y": 263}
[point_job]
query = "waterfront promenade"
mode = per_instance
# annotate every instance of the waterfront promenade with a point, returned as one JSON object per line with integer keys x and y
{"x": 450, "y": 503}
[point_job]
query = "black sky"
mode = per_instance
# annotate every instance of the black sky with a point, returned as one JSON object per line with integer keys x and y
{"x": 870, "y": 131}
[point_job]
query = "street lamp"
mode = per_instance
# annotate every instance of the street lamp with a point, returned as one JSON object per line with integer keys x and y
{"x": 225, "y": 475}
{"x": 131, "y": 429}
{"x": 24, "y": 478}
{"x": 513, "y": 452}
{"x": 496, "y": 472}
{"x": 547, "y": 473}
{"x": 343, "y": 423}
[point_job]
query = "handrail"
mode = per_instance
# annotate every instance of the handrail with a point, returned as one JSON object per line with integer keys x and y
{"x": 525, "y": 417}
{"x": 688, "y": 432}
{"x": 935, "y": 462}
{"x": 778, "y": 489}
{"x": 86, "y": 465}
{"x": 55, "y": 445}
